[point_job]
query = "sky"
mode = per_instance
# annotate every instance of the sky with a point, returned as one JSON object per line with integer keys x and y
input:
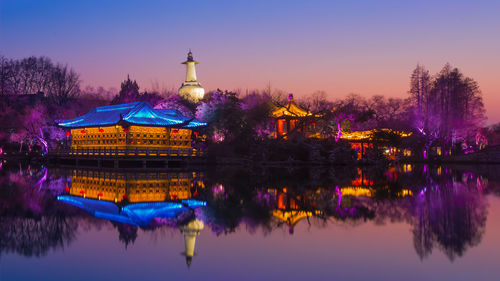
{"x": 365, "y": 47}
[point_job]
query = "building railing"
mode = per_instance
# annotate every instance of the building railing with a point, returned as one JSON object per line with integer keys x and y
{"x": 129, "y": 151}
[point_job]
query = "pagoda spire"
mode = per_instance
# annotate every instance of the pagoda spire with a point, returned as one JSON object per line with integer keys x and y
{"x": 191, "y": 88}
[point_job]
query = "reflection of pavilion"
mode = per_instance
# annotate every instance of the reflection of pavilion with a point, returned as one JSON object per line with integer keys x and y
{"x": 288, "y": 210}
{"x": 134, "y": 187}
{"x": 363, "y": 186}
{"x": 291, "y": 207}
{"x": 139, "y": 199}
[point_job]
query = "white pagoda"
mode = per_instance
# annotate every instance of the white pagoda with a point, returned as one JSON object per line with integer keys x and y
{"x": 191, "y": 88}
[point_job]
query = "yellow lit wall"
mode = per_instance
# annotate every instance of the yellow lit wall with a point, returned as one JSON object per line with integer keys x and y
{"x": 116, "y": 188}
{"x": 134, "y": 136}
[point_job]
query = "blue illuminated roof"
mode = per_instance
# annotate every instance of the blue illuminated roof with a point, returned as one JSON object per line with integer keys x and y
{"x": 138, "y": 214}
{"x": 97, "y": 208}
{"x": 144, "y": 213}
{"x": 192, "y": 122}
{"x": 136, "y": 113}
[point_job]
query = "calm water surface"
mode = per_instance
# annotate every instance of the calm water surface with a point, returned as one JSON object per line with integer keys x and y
{"x": 401, "y": 223}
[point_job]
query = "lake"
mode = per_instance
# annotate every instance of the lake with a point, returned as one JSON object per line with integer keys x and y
{"x": 406, "y": 222}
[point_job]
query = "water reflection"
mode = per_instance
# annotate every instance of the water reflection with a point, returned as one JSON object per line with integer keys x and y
{"x": 43, "y": 209}
{"x": 148, "y": 200}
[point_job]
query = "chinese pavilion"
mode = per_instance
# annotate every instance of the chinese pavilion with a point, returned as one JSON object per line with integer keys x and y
{"x": 291, "y": 118}
{"x": 131, "y": 125}
{"x": 361, "y": 141}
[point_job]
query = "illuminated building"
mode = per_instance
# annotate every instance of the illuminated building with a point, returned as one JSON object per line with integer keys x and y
{"x": 191, "y": 88}
{"x": 190, "y": 231}
{"x": 131, "y": 126}
{"x": 291, "y": 118}
{"x": 362, "y": 140}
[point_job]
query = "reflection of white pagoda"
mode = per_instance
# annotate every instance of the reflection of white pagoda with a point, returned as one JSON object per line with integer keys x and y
{"x": 191, "y": 88}
{"x": 190, "y": 231}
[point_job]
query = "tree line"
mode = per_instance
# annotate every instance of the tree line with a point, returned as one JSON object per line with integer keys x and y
{"x": 38, "y": 75}
{"x": 448, "y": 107}
{"x": 444, "y": 109}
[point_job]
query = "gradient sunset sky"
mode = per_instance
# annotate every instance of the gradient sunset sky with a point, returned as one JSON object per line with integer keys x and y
{"x": 341, "y": 47}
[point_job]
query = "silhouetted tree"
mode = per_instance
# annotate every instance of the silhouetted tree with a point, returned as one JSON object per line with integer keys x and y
{"x": 448, "y": 108}
{"x": 129, "y": 92}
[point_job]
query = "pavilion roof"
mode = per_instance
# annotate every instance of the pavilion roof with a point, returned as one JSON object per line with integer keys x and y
{"x": 291, "y": 109}
{"x": 291, "y": 217}
{"x": 368, "y": 135}
{"x": 135, "y": 113}
{"x": 139, "y": 214}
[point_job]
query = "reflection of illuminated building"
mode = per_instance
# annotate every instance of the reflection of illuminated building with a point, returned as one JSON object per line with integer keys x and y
{"x": 134, "y": 187}
{"x": 338, "y": 202}
{"x": 291, "y": 217}
{"x": 287, "y": 210}
{"x": 143, "y": 196}
{"x": 407, "y": 168}
{"x": 361, "y": 186}
{"x": 138, "y": 199}
{"x": 190, "y": 232}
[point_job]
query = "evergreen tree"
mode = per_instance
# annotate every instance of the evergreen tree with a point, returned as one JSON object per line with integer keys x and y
{"x": 129, "y": 92}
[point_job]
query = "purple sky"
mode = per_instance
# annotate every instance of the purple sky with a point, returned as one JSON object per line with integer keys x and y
{"x": 341, "y": 47}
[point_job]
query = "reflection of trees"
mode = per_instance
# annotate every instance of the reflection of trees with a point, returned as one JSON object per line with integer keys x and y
{"x": 127, "y": 233}
{"x": 446, "y": 211}
{"x": 31, "y": 223}
{"x": 35, "y": 237}
{"x": 452, "y": 216}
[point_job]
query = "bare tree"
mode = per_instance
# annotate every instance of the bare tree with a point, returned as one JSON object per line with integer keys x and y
{"x": 448, "y": 108}
{"x": 64, "y": 85}
{"x": 419, "y": 90}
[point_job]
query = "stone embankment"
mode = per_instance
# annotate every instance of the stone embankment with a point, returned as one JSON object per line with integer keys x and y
{"x": 489, "y": 155}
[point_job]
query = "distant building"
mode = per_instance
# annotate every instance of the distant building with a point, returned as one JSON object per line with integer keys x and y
{"x": 361, "y": 141}
{"x": 131, "y": 125}
{"x": 191, "y": 88}
{"x": 292, "y": 119}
